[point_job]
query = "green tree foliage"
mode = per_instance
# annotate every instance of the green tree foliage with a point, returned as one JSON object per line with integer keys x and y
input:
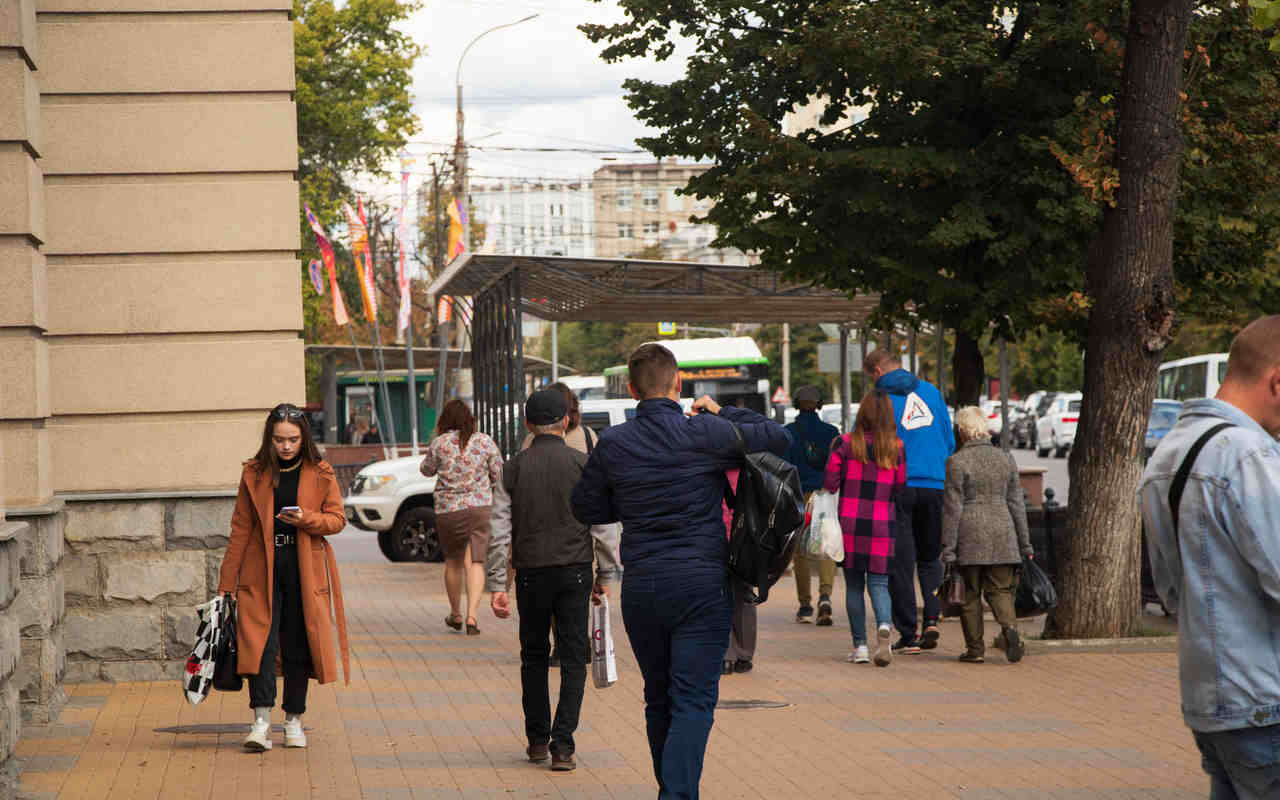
{"x": 804, "y": 358}
{"x": 967, "y": 150}
{"x": 1266, "y": 16}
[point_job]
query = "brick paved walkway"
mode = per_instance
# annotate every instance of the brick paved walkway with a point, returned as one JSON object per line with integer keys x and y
{"x": 433, "y": 714}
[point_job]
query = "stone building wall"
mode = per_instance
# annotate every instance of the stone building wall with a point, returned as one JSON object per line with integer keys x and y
{"x": 10, "y": 652}
{"x": 135, "y": 570}
{"x": 41, "y": 609}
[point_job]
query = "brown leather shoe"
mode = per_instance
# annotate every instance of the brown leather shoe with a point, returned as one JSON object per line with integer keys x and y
{"x": 538, "y": 753}
{"x": 562, "y": 762}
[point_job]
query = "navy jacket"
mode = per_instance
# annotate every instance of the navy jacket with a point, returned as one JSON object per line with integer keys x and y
{"x": 808, "y": 433}
{"x": 662, "y": 475}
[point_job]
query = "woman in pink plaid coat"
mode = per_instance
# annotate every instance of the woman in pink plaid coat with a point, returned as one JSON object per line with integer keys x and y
{"x": 867, "y": 469}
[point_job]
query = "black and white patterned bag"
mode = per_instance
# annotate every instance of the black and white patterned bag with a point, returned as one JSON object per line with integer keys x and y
{"x": 198, "y": 676}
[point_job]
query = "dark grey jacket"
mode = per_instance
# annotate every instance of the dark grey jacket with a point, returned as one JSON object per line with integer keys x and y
{"x": 984, "y": 519}
{"x": 538, "y": 511}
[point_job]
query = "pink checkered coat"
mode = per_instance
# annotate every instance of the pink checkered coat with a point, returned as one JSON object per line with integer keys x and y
{"x": 868, "y": 505}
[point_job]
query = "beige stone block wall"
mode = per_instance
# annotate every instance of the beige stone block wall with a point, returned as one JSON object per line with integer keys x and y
{"x": 172, "y": 294}
{"x": 27, "y": 467}
{"x": 97, "y": 55}
{"x": 24, "y": 363}
{"x": 21, "y": 186}
{"x": 146, "y": 374}
{"x": 232, "y": 215}
{"x": 18, "y": 29}
{"x": 91, "y": 138}
{"x": 169, "y": 151}
{"x": 19, "y": 100}
{"x": 23, "y": 303}
{"x": 154, "y": 452}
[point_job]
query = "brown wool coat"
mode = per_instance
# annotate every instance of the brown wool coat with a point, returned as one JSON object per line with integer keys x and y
{"x": 249, "y": 566}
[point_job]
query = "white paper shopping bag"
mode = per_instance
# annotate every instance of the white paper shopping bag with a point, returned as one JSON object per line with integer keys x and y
{"x": 604, "y": 664}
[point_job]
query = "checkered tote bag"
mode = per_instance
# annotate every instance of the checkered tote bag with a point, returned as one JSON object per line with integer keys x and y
{"x": 211, "y": 639}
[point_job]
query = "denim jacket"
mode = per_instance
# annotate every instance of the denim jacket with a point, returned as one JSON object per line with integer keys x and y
{"x": 1222, "y": 568}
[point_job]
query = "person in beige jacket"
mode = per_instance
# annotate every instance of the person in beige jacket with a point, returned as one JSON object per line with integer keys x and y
{"x": 984, "y": 532}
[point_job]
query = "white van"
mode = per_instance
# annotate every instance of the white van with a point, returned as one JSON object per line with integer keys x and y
{"x": 600, "y": 414}
{"x": 1191, "y": 378}
{"x": 586, "y": 387}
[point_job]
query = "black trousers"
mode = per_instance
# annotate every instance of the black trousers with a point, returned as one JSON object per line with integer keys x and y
{"x": 916, "y": 549}
{"x": 288, "y": 635}
{"x": 562, "y": 593}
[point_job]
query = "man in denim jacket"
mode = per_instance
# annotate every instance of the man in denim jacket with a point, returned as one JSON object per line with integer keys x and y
{"x": 1221, "y": 566}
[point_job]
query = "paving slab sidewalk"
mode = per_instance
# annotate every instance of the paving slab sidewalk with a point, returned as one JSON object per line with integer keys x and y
{"x": 434, "y": 714}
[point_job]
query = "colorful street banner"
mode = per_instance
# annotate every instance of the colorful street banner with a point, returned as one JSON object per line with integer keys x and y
{"x": 457, "y": 221}
{"x": 444, "y": 310}
{"x": 370, "y": 285}
{"x": 326, "y": 252}
{"x": 402, "y": 232}
{"x": 316, "y": 280}
{"x": 358, "y": 234}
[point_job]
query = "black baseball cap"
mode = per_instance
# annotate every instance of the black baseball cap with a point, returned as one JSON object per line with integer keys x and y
{"x": 545, "y": 407}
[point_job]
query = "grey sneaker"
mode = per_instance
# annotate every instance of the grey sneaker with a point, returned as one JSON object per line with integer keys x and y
{"x": 259, "y": 738}
{"x": 884, "y": 653}
{"x": 293, "y": 733}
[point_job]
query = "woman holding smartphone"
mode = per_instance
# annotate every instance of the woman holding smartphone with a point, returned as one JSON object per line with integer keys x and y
{"x": 284, "y": 574}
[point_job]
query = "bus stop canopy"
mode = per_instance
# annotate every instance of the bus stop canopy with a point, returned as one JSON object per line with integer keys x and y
{"x": 561, "y": 288}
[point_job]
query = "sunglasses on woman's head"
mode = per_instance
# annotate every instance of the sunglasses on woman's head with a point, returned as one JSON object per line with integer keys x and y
{"x": 287, "y": 412}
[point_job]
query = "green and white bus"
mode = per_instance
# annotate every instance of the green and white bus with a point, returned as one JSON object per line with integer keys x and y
{"x": 732, "y": 370}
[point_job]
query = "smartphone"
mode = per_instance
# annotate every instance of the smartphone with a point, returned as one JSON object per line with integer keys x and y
{"x": 289, "y": 508}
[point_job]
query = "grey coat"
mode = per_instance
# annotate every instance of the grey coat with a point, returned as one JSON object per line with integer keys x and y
{"x": 984, "y": 519}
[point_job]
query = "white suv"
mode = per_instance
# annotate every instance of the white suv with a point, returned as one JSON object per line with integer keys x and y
{"x": 395, "y": 499}
{"x": 1056, "y": 428}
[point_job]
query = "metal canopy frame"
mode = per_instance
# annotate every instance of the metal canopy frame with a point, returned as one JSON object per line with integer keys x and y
{"x": 564, "y": 289}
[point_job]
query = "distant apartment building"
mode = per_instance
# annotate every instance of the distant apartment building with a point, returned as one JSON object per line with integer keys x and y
{"x": 636, "y": 207}
{"x": 542, "y": 218}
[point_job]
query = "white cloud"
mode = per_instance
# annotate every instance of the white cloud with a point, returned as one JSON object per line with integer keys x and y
{"x": 541, "y": 83}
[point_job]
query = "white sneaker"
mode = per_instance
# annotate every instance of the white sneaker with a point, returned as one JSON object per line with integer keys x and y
{"x": 884, "y": 652}
{"x": 860, "y": 655}
{"x": 293, "y": 735}
{"x": 259, "y": 738}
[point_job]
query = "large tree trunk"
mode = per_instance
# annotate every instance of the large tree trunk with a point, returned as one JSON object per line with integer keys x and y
{"x": 968, "y": 370}
{"x": 1130, "y": 283}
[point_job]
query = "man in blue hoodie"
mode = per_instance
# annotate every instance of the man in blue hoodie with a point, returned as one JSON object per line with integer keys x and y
{"x": 924, "y": 425}
{"x": 662, "y": 475}
{"x": 811, "y": 440}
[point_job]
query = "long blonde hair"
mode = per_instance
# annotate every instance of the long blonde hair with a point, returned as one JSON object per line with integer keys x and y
{"x": 875, "y": 417}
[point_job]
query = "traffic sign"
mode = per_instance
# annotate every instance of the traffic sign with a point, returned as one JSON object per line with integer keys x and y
{"x": 781, "y": 398}
{"x": 666, "y": 329}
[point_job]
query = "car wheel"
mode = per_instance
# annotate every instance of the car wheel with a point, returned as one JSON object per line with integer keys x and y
{"x": 384, "y": 544}
{"x": 1041, "y": 452}
{"x": 414, "y": 536}
{"x": 1059, "y": 450}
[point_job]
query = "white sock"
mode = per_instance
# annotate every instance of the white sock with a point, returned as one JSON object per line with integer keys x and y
{"x": 262, "y": 716}
{"x": 293, "y": 718}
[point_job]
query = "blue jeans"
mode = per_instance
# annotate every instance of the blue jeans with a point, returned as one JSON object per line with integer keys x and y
{"x": 1243, "y": 764}
{"x": 679, "y": 630}
{"x": 855, "y": 580}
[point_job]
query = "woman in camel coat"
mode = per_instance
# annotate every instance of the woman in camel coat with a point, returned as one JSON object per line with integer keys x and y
{"x": 284, "y": 574}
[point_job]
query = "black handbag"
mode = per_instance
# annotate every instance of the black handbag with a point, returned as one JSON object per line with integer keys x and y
{"x": 225, "y": 677}
{"x": 951, "y": 593}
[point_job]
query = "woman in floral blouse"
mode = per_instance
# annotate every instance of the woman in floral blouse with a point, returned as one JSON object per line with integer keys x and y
{"x": 467, "y": 466}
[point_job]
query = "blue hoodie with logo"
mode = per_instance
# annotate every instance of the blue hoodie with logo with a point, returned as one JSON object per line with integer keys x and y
{"x": 924, "y": 425}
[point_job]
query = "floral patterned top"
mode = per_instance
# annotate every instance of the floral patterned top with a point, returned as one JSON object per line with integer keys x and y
{"x": 463, "y": 479}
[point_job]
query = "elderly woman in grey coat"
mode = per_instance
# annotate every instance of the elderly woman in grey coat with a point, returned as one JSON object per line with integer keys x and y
{"x": 984, "y": 532}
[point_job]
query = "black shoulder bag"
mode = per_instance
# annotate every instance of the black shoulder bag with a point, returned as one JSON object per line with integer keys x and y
{"x": 1184, "y": 472}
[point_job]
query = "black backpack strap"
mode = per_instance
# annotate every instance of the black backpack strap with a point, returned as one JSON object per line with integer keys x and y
{"x": 1184, "y": 470}
{"x": 587, "y": 433}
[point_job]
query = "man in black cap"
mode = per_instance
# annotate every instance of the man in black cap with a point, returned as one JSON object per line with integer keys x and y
{"x": 550, "y": 552}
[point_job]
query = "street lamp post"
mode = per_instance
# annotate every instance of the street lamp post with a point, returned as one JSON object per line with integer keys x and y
{"x": 461, "y": 192}
{"x": 460, "y": 147}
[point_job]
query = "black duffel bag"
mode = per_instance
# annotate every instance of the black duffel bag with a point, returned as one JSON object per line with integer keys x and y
{"x": 225, "y": 677}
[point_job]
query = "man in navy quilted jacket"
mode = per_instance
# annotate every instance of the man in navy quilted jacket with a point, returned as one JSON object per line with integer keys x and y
{"x": 662, "y": 475}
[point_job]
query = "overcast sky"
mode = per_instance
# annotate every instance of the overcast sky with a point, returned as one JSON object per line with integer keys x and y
{"x": 538, "y": 84}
